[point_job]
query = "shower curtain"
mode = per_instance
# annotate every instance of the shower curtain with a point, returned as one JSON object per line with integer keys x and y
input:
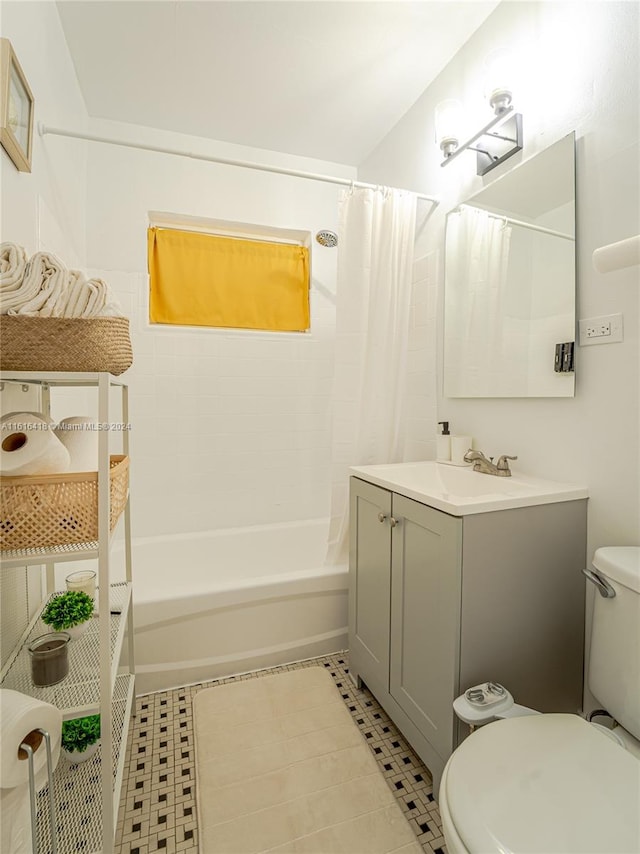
{"x": 375, "y": 260}
{"x": 477, "y": 259}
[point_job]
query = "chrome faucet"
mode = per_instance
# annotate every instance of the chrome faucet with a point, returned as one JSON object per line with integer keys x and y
{"x": 487, "y": 466}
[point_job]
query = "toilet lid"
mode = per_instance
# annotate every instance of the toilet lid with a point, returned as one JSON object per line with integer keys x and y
{"x": 545, "y": 783}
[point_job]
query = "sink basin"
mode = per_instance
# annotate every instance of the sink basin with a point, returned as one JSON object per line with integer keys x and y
{"x": 460, "y": 491}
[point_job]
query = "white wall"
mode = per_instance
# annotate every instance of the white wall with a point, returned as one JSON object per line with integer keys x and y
{"x": 580, "y": 72}
{"x": 45, "y": 209}
{"x": 41, "y": 210}
{"x": 229, "y": 428}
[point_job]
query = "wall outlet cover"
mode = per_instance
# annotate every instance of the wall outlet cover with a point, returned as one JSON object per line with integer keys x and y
{"x": 607, "y": 329}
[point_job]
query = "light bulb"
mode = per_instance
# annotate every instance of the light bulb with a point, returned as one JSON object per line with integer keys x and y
{"x": 448, "y": 119}
{"x": 499, "y": 75}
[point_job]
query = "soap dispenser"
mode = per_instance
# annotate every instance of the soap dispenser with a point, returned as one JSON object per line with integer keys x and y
{"x": 443, "y": 443}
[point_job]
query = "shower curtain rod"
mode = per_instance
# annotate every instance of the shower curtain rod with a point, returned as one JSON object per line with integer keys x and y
{"x": 294, "y": 173}
{"x": 528, "y": 225}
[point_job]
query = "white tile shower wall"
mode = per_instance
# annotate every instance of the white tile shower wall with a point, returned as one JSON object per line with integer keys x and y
{"x": 230, "y": 428}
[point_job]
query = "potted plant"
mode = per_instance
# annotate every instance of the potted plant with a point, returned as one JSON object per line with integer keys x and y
{"x": 68, "y": 611}
{"x": 80, "y": 738}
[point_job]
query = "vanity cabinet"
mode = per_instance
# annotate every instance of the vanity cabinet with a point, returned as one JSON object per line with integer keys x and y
{"x": 438, "y": 603}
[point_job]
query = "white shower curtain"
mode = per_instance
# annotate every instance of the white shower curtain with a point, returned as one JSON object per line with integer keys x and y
{"x": 375, "y": 259}
{"x": 477, "y": 259}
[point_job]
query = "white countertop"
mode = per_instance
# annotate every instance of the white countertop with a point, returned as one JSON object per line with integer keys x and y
{"x": 460, "y": 491}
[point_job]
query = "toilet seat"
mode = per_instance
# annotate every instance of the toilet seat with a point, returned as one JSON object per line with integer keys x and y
{"x": 546, "y": 783}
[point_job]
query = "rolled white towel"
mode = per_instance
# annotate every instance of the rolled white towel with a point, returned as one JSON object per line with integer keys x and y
{"x": 44, "y": 276}
{"x": 78, "y": 294}
{"x": 101, "y": 301}
{"x": 48, "y": 289}
{"x": 57, "y": 297}
{"x": 13, "y": 260}
{"x": 95, "y": 303}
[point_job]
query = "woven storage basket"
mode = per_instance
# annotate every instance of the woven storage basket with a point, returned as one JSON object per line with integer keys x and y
{"x": 40, "y": 511}
{"x": 65, "y": 344}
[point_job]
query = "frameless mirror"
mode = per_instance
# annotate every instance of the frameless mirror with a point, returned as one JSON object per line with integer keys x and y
{"x": 509, "y": 297}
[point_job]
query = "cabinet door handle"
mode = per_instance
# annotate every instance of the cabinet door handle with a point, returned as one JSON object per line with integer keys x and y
{"x": 381, "y": 517}
{"x": 393, "y": 522}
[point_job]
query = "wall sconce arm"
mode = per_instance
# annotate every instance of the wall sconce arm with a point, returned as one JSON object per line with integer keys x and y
{"x": 496, "y": 148}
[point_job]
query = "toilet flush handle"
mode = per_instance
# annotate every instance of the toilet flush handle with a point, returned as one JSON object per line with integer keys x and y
{"x": 604, "y": 588}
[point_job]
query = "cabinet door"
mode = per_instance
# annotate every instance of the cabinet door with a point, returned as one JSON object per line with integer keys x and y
{"x": 369, "y": 584}
{"x": 425, "y": 618}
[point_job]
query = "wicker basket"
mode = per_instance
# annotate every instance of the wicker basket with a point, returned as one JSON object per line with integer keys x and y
{"x": 65, "y": 344}
{"x": 40, "y": 511}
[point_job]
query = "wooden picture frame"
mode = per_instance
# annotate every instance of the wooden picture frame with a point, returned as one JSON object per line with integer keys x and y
{"x": 16, "y": 109}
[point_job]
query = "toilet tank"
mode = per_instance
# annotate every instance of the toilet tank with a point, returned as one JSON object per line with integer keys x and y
{"x": 614, "y": 661}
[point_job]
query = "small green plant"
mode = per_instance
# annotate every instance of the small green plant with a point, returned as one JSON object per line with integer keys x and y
{"x": 68, "y": 610}
{"x": 80, "y": 733}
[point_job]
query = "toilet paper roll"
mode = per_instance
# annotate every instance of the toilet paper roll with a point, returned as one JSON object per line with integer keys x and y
{"x": 22, "y": 717}
{"x": 617, "y": 256}
{"x": 16, "y": 416}
{"x": 15, "y": 827}
{"x": 78, "y": 437}
{"x": 28, "y": 445}
{"x": 459, "y": 447}
{"x": 15, "y": 808}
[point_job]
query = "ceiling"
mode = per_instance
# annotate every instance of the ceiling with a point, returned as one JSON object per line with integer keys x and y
{"x": 316, "y": 78}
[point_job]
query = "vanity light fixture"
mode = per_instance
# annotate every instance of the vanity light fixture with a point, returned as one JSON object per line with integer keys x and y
{"x": 448, "y": 120}
{"x": 501, "y": 137}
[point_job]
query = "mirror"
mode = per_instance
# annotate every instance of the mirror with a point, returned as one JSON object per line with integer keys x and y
{"x": 509, "y": 295}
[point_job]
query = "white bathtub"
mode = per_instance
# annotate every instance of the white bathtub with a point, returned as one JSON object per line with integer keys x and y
{"x": 231, "y": 601}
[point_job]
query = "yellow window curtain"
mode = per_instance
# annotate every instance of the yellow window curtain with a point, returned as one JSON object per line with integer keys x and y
{"x": 206, "y": 280}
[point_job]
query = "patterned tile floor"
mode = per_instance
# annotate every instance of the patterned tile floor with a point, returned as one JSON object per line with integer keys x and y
{"x": 158, "y": 809}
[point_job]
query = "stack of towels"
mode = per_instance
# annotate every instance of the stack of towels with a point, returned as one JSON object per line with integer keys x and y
{"x": 43, "y": 287}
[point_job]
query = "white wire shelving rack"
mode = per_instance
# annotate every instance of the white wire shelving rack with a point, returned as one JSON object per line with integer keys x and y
{"x": 86, "y": 796}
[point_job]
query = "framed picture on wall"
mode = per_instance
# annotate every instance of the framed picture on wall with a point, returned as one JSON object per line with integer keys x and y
{"x": 16, "y": 109}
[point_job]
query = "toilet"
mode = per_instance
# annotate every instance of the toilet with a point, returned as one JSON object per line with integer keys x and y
{"x": 555, "y": 783}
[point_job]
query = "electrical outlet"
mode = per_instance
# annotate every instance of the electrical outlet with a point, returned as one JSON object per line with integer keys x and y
{"x": 601, "y": 330}
{"x": 598, "y": 330}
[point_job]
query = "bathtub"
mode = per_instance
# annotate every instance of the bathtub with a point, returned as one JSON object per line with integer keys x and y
{"x": 235, "y": 600}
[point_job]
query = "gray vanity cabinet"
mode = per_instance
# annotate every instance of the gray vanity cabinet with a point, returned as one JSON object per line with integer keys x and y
{"x": 438, "y": 603}
{"x": 370, "y": 583}
{"x": 425, "y": 608}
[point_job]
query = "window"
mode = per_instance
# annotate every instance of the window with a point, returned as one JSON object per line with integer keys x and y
{"x": 201, "y": 279}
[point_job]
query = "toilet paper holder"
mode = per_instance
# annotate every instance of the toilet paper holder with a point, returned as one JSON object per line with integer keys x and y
{"x": 28, "y": 749}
